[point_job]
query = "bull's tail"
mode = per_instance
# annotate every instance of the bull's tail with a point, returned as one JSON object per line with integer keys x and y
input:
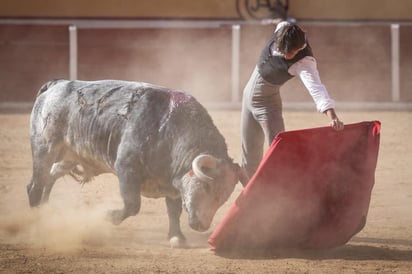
{"x": 48, "y": 85}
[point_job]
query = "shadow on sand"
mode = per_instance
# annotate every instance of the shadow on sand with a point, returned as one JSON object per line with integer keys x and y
{"x": 356, "y": 249}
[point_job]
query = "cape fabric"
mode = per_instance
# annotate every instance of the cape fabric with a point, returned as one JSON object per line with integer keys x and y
{"x": 311, "y": 190}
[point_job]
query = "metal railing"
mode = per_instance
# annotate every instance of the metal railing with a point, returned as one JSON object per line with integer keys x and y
{"x": 74, "y": 25}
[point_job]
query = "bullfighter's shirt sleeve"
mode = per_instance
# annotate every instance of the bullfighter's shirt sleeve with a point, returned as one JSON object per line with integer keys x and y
{"x": 306, "y": 69}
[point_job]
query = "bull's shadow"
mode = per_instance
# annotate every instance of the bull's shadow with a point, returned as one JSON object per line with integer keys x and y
{"x": 357, "y": 249}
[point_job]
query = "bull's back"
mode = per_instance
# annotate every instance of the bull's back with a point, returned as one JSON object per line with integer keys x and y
{"x": 85, "y": 102}
{"x": 91, "y": 117}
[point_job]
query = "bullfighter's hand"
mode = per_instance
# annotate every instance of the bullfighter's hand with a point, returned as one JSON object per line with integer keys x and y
{"x": 337, "y": 124}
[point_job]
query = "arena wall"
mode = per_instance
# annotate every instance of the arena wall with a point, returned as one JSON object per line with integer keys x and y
{"x": 207, "y": 9}
{"x": 354, "y": 57}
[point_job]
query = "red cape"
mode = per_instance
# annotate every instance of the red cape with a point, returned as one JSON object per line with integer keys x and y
{"x": 311, "y": 190}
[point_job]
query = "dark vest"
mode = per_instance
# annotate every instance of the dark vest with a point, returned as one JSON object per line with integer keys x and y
{"x": 274, "y": 69}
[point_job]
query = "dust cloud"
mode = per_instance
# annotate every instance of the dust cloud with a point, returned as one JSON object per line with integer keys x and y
{"x": 194, "y": 60}
{"x": 71, "y": 219}
{"x": 56, "y": 228}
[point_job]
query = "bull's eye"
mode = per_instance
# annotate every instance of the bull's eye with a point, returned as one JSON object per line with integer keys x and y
{"x": 206, "y": 187}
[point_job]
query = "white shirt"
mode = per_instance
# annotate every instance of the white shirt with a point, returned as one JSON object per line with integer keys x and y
{"x": 306, "y": 69}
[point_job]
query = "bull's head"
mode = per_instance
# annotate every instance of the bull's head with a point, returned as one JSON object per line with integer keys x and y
{"x": 206, "y": 187}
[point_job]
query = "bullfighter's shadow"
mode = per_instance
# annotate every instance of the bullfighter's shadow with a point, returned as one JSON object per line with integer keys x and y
{"x": 357, "y": 249}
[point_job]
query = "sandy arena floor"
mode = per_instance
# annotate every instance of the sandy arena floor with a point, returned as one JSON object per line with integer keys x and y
{"x": 69, "y": 235}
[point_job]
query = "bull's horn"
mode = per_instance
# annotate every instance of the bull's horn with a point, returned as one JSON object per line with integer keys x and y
{"x": 202, "y": 161}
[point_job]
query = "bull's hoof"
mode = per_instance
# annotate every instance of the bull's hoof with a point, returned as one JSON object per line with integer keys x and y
{"x": 115, "y": 216}
{"x": 35, "y": 196}
{"x": 176, "y": 242}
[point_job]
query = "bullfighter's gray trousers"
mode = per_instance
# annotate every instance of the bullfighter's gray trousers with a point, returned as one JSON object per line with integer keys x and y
{"x": 261, "y": 119}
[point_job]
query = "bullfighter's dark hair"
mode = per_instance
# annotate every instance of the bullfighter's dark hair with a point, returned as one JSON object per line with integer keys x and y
{"x": 289, "y": 38}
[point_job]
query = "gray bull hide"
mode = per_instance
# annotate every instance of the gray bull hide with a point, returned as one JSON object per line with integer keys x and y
{"x": 159, "y": 143}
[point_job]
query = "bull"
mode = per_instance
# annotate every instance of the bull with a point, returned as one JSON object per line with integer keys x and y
{"x": 158, "y": 142}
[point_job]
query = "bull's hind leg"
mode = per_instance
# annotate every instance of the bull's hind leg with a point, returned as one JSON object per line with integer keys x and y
{"x": 130, "y": 192}
{"x": 174, "y": 210}
{"x": 42, "y": 181}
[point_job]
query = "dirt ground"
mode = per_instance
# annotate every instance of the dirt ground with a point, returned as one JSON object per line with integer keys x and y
{"x": 69, "y": 235}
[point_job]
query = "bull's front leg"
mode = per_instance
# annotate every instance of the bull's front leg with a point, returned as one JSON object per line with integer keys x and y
{"x": 130, "y": 192}
{"x": 174, "y": 210}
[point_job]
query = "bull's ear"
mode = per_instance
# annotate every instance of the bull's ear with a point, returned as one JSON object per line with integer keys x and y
{"x": 242, "y": 174}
